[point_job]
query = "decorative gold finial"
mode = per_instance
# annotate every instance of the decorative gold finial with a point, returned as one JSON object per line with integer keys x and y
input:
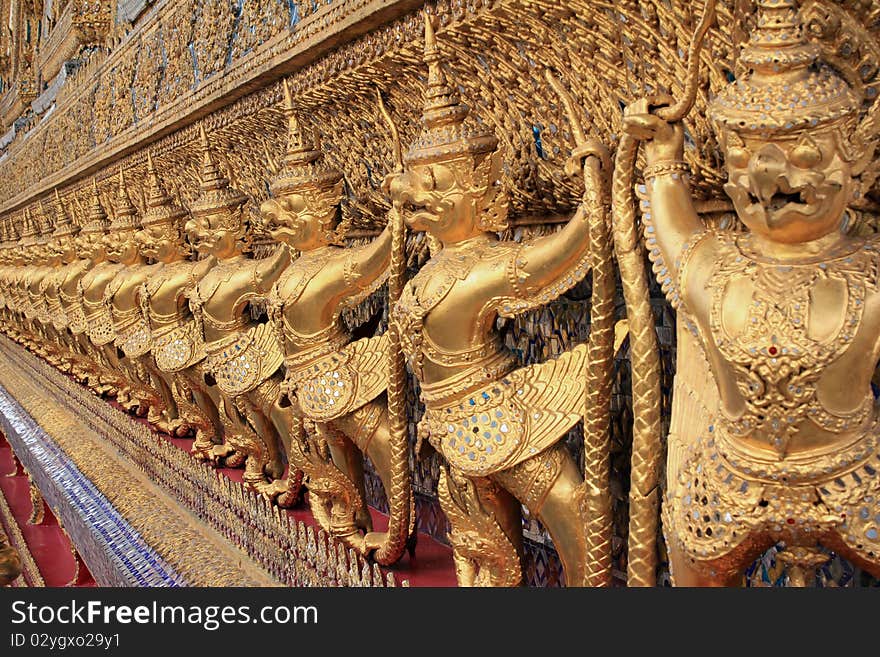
{"x": 446, "y": 134}
{"x": 160, "y": 207}
{"x": 785, "y": 89}
{"x": 64, "y": 225}
{"x": 216, "y": 194}
{"x": 303, "y": 166}
{"x": 28, "y": 229}
{"x": 44, "y": 221}
{"x": 96, "y": 219}
{"x": 125, "y": 215}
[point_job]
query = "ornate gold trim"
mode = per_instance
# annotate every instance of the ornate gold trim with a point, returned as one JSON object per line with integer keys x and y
{"x": 284, "y": 550}
{"x": 29, "y": 566}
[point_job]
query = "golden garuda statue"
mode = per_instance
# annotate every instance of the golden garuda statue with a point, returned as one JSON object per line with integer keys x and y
{"x": 336, "y": 385}
{"x": 242, "y": 356}
{"x": 131, "y": 335}
{"x": 41, "y": 265}
{"x": 12, "y": 262}
{"x": 18, "y": 290}
{"x": 774, "y": 429}
{"x": 498, "y": 426}
{"x": 49, "y": 316}
{"x": 54, "y": 320}
{"x": 6, "y": 265}
{"x": 175, "y": 343}
{"x": 65, "y": 308}
{"x": 93, "y": 239}
{"x": 18, "y": 258}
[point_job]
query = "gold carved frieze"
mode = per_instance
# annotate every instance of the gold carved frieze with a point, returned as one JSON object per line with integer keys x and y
{"x": 497, "y": 52}
{"x": 103, "y": 84}
{"x": 608, "y": 56}
{"x": 80, "y": 23}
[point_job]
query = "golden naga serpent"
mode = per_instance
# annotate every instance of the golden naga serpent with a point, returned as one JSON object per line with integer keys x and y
{"x": 647, "y": 449}
{"x": 400, "y": 513}
{"x": 597, "y": 414}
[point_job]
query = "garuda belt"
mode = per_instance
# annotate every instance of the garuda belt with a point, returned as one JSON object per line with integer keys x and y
{"x": 240, "y": 363}
{"x": 340, "y": 383}
{"x": 178, "y": 347}
{"x": 76, "y": 320}
{"x": 509, "y": 420}
{"x": 57, "y": 315}
{"x": 715, "y": 509}
{"x": 99, "y": 327}
{"x": 135, "y": 339}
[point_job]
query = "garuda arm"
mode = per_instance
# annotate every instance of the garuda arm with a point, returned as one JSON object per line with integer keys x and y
{"x": 358, "y": 272}
{"x": 542, "y": 269}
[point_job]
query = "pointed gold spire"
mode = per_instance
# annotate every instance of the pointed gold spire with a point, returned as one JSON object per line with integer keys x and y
{"x": 28, "y": 229}
{"x": 44, "y": 221}
{"x": 64, "y": 225}
{"x": 125, "y": 214}
{"x": 160, "y": 207}
{"x": 13, "y": 230}
{"x": 446, "y": 133}
{"x": 303, "y": 165}
{"x": 785, "y": 88}
{"x": 96, "y": 219}
{"x": 442, "y": 102}
{"x": 210, "y": 178}
{"x": 216, "y": 193}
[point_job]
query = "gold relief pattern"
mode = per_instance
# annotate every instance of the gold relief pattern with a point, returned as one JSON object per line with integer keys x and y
{"x": 258, "y": 21}
{"x": 179, "y": 76}
{"x": 148, "y": 75}
{"x": 122, "y": 103}
{"x": 101, "y": 127}
{"x": 499, "y": 60}
{"x": 212, "y": 34}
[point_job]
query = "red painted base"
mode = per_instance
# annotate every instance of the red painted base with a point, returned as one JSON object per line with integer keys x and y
{"x": 47, "y": 543}
{"x": 430, "y": 566}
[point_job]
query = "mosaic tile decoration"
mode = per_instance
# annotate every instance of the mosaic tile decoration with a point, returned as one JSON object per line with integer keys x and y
{"x": 114, "y": 552}
{"x": 271, "y": 546}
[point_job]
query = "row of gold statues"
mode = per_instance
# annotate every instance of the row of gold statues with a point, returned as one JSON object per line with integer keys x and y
{"x": 774, "y": 429}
